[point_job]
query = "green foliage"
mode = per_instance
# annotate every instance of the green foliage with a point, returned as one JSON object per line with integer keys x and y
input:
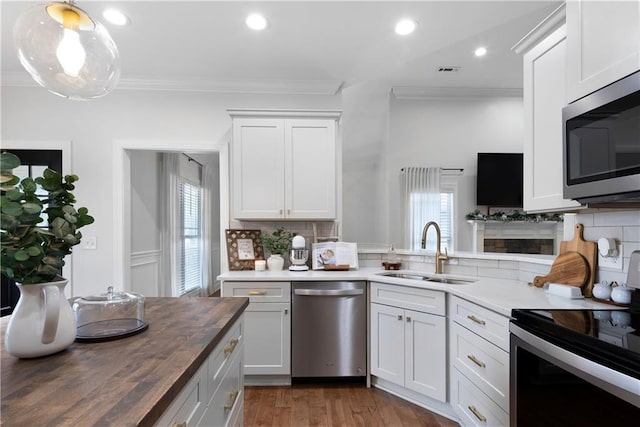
{"x": 28, "y": 253}
{"x": 277, "y": 242}
{"x": 514, "y": 216}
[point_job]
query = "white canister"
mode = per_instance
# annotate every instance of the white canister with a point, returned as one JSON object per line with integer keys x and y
{"x": 621, "y": 294}
{"x": 602, "y": 290}
{"x": 260, "y": 265}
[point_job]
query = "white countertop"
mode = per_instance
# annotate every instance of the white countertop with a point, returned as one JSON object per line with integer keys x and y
{"x": 499, "y": 295}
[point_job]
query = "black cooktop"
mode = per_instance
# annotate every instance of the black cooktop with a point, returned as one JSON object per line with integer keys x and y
{"x": 609, "y": 337}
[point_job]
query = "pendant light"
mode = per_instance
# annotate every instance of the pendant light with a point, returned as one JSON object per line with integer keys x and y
{"x": 66, "y": 51}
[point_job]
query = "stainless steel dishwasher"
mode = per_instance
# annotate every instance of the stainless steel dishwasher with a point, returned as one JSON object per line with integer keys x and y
{"x": 329, "y": 329}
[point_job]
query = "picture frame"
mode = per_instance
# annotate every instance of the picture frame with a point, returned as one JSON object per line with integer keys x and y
{"x": 243, "y": 248}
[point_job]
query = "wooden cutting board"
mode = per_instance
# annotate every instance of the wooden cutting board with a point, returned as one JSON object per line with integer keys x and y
{"x": 589, "y": 250}
{"x": 570, "y": 268}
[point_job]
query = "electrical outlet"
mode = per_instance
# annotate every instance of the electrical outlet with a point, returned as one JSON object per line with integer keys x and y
{"x": 90, "y": 243}
{"x": 611, "y": 263}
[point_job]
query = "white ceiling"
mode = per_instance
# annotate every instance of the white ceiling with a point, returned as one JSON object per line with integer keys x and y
{"x": 323, "y": 43}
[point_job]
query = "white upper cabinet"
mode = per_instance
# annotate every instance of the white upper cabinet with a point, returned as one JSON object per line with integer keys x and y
{"x": 544, "y": 97}
{"x": 603, "y": 44}
{"x": 284, "y": 165}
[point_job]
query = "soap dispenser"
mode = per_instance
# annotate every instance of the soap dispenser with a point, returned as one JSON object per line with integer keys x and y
{"x": 392, "y": 262}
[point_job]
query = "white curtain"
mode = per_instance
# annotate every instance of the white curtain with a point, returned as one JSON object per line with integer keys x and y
{"x": 421, "y": 202}
{"x": 169, "y": 217}
{"x": 208, "y": 273}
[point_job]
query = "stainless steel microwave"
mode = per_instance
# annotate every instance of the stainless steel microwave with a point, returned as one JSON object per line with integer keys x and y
{"x": 601, "y": 144}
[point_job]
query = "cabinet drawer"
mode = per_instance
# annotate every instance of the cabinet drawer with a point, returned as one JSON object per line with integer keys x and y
{"x": 486, "y": 365}
{"x": 258, "y": 291}
{"x": 190, "y": 404}
{"x": 225, "y": 351}
{"x": 228, "y": 397}
{"x": 489, "y": 325}
{"x": 423, "y": 300}
{"x": 472, "y": 405}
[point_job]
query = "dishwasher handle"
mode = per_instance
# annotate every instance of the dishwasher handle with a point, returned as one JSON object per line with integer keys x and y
{"x": 328, "y": 292}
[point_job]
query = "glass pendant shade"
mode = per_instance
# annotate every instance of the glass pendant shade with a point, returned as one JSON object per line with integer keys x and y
{"x": 66, "y": 51}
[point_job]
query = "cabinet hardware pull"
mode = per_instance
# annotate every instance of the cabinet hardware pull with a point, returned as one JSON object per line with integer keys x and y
{"x": 476, "y": 361}
{"x": 408, "y": 319}
{"x": 229, "y": 349}
{"x": 234, "y": 396}
{"x": 288, "y": 211}
{"x": 475, "y": 319}
{"x": 477, "y": 414}
{"x": 253, "y": 293}
{"x": 399, "y": 316}
{"x": 286, "y": 311}
{"x": 184, "y": 424}
{"x": 280, "y": 211}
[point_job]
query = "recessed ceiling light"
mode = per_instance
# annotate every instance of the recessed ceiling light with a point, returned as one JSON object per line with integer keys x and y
{"x": 405, "y": 27}
{"x": 256, "y": 22}
{"x": 115, "y": 17}
{"x": 481, "y": 51}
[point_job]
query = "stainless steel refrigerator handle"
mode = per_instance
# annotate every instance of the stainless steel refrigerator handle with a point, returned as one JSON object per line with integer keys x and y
{"x": 329, "y": 292}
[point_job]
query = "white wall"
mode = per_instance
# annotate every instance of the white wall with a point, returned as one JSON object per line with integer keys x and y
{"x": 449, "y": 133}
{"x": 32, "y": 113}
{"x": 145, "y": 205}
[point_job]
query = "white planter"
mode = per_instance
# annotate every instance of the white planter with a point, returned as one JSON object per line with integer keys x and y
{"x": 275, "y": 262}
{"x": 42, "y": 322}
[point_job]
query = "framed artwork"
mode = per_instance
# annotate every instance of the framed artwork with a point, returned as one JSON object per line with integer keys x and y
{"x": 243, "y": 248}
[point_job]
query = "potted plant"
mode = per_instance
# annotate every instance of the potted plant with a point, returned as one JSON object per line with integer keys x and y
{"x": 33, "y": 254}
{"x": 277, "y": 244}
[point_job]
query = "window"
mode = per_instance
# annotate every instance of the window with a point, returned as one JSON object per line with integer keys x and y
{"x": 420, "y": 215}
{"x": 190, "y": 238}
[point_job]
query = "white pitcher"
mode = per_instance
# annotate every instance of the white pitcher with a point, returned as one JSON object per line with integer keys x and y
{"x": 42, "y": 322}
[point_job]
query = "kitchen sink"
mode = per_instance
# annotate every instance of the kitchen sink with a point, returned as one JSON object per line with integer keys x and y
{"x": 427, "y": 278}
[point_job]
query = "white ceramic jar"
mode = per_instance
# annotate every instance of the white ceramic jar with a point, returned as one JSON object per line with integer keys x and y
{"x": 602, "y": 290}
{"x": 621, "y": 294}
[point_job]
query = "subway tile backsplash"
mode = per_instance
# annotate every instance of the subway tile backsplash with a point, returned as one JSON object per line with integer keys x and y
{"x": 623, "y": 226}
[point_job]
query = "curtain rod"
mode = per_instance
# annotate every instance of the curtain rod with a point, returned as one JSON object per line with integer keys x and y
{"x": 191, "y": 159}
{"x": 444, "y": 169}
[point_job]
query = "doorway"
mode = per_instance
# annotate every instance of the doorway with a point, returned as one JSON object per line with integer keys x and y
{"x": 122, "y": 167}
{"x": 153, "y": 258}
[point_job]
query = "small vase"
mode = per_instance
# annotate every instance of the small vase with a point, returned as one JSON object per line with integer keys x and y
{"x": 275, "y": 262}
{"x": 42, "y": 322}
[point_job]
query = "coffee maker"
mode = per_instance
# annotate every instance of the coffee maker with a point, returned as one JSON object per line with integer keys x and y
{"x": 299, "y": 254}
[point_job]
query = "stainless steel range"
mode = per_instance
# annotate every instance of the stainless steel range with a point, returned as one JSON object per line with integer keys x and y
{"x": 576, "y": 367}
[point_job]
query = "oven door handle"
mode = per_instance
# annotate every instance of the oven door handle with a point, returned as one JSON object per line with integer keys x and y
{"x": 329, "y": 292}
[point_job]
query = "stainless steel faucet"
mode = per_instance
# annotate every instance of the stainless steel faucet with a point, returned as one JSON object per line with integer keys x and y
{"x": 439, "y": 257}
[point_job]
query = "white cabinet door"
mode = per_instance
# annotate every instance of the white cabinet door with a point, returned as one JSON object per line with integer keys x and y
{"x": 267, "y": 339}
{"x": 426, "y": 354}
{"x": 310, "y": 169}
{"x": 544, "y": 98}
{"x": 283, "y": 167}
{"x": 603, "y": 44}
{"x": 387, "y": 343}
{"x": 258, "y": 165}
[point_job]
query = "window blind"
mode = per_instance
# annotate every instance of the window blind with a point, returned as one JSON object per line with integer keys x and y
{"x": 190, "y": 238}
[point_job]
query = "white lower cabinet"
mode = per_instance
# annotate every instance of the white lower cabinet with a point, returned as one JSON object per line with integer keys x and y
{"x": 408, "y": 347}
{"x": 214, "y": 395}
{"x": 267, "y": 355}
{"x": 479, "y": 364}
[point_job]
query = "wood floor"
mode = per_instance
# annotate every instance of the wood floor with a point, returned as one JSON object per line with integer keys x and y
{"x": 333, "y": 405}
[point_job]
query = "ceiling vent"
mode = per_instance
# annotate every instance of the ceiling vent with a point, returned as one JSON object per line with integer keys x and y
{"x": 448, "y": 69}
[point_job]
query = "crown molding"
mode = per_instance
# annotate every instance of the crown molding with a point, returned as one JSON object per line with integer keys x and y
{"x": 423, "y": 92}
{"x": 280, "y": 87}
{"x": 551, "y": 23}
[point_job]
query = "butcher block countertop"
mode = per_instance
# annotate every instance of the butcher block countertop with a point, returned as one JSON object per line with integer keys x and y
{"x": 126, "y": 382}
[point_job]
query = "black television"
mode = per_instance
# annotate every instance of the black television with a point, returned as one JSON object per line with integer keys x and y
{"x": 499, "y": 180}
